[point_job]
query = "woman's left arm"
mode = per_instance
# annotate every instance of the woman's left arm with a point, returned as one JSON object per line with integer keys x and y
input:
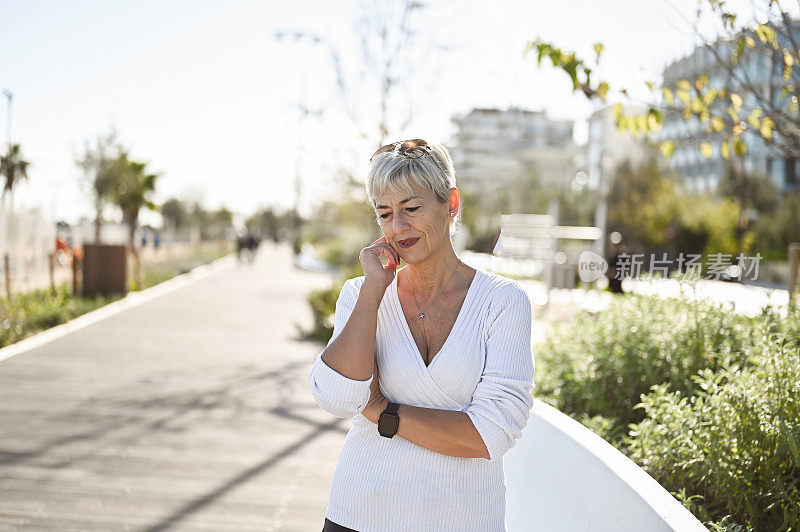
{"x": 501, "y": 402}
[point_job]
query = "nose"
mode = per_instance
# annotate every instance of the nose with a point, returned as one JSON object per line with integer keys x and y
{"x": 399, "y": 223}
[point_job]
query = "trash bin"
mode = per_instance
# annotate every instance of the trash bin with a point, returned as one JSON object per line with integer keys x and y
{"x": 105, "y": 269}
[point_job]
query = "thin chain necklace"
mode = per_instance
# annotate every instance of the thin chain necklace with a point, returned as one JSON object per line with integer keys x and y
{"x": 422, "y": 312}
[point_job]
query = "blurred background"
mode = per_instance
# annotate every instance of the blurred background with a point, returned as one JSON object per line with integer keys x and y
{"x": 261, "y": 117}
{"x": 143, "y": 139}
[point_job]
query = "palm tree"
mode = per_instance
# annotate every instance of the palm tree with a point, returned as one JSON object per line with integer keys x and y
{"x": 96, "y": 163}
{"x": 134, "y": 185}
{"x": 13, "y": 168}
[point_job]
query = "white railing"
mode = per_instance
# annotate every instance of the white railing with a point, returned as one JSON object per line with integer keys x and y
{"x": 531, "y": 244}
{"x": 562, "y": 476}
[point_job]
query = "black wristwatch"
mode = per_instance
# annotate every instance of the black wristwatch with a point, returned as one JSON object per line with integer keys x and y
{"x": 389, "y": 420}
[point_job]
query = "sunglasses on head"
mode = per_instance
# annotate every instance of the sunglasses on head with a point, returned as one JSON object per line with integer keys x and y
{"x": 403, "y": 147}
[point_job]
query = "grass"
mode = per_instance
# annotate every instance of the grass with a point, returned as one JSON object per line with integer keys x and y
{"x": 23, "y": 315}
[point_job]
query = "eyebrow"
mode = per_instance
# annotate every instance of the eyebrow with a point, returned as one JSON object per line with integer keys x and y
{"x": 401, "y": 202}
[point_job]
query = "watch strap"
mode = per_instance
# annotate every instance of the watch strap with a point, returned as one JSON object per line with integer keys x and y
{"x": 391, "y": 408}
{"x": 389, "y": 421}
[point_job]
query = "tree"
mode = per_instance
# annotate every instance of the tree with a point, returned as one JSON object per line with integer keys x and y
{"x": 756, "y": 195}
{"x": 13, "y": 169}
{"x": 381, "y": 100}
{"x": 731, "y": 111}
{"x": 175, "y": 213}
{"x": 220, "y": 222}
{"x": 754, "y": 191}
{"x": 269, "y": 223}
{"x": 376, "y": 102}
{"x": 133, "y": 187}
{"x": 96, "y": 163}
{"x": 782, "y": 226}
{"x": 642, "y": 203}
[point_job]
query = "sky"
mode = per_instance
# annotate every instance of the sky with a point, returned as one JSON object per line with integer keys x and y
{"x": 205, "y": 93}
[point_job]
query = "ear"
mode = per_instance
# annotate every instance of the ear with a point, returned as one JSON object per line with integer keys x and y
{"x": 454, "y": 199}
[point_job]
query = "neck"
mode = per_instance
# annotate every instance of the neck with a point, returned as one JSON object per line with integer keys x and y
{"x": 430, "y": 277}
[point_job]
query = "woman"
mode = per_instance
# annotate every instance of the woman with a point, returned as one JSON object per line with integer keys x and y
{"x": 433, "y": 362}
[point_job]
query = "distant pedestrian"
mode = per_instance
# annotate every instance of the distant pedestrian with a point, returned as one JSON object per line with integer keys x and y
{"x": 614, "y": 272}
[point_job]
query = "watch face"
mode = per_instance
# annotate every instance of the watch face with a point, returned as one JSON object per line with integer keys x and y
{"x": 387, "y": 424}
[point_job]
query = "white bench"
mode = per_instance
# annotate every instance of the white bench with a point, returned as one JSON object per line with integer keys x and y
{"x": 563, "y": 477}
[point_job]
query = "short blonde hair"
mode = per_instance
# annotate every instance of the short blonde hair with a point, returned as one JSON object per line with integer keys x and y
{"x": 430, "y": 167}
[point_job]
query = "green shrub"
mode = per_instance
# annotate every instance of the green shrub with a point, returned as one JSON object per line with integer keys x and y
{"x": 323, "y": 303}
{"x": 736, "y": 444}
{"x": 323, "y": 306}
{"x": 601, "y": 365}
{"x": 22, "y": 315}
{"x": 705, "y": 400}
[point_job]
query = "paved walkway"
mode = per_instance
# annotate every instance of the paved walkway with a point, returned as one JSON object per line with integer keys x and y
{"x": 188, "y": 412}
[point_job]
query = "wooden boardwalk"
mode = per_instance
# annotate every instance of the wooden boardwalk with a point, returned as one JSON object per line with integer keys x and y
{"x": 188, "y": 412}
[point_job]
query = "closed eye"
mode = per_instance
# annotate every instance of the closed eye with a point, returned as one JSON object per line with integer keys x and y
{"x": 410, "y": 209}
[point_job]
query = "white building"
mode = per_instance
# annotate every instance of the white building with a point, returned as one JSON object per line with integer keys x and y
{"x": 702, "y": 173}
{"x": 497, "y": 147}
{"x": 606, "y": 149}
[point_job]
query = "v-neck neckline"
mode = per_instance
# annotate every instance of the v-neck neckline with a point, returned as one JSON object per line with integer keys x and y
{"x": 459, "y": 318}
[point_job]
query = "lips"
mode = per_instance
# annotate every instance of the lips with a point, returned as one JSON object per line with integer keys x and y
{"x": 407, "y": 243}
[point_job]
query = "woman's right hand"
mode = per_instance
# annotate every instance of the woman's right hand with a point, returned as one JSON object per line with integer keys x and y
{"x": 374, "y": 270}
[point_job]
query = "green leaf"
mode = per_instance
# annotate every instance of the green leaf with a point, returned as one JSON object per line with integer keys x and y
{"x": 701, "y": 82}
{"x": 598, "y": 50}
{"x": 709, "y": 96}
{"x": 684, "y": 84}
{"x": 792, "y": 443}
{"x": 706, "y": 150}
{"x": 655, "y": 119}
{"x": 724, "y": 149}
{"x": 736, "y": 100}
{"x": 753, "y": 118}
{"x": 739, "y": 147}
{"x": 602, "y": 90}
{"x": 555, "y": 57}
{"x": 667, "y": 148}
{"x": 766, "y": 128}
{"x": 717, "y": 124}
{"x": 767, "y": 35}
{"x": 650, "y": 85}
{"x": 739, "y": 48}
{"x": 668, "y": 95}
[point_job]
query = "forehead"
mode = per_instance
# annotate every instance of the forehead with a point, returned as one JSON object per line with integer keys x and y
{"x": 390, "y": 197}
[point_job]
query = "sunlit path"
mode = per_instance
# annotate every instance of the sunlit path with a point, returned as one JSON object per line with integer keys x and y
{"x": 191, "y": 411}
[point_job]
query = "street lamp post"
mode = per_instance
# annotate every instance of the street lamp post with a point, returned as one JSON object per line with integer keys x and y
{"x": 3, "y": 223}
{"x": 303, "y": 113}
{"x": 9, "y": 105}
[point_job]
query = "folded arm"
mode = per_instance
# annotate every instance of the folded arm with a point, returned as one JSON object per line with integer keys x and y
{"x": 502, "y": 399}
